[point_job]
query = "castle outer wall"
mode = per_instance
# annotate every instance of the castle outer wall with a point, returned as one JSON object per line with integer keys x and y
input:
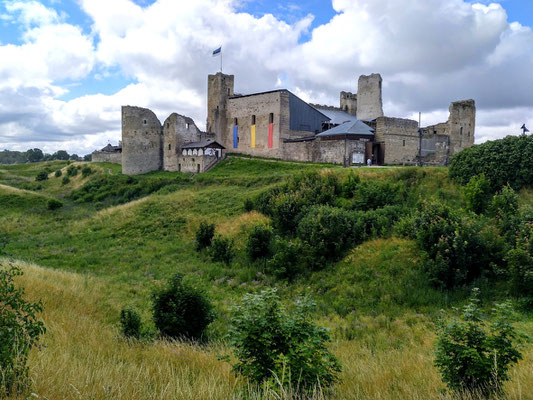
{"x": 103, "y": 156}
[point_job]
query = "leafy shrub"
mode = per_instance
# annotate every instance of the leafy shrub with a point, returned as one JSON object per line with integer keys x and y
{"x": 272, "y": 342}
{"x": 222, "y": 249}
{"x": 19, "y": 332}
{"x": 204, "y": 235}
{"x": 520, "y": 266}
{"x": 328, "y": 231}
{"x": 86, "y": 171}
{"x": 130, "y": 323}
{"x": 477, "y": 193}
{"x": 54, "y": 204}
{"x": 473, "y": 357}
{"x": 58, "y": 173}
{"x": 259, "y": 242}
{"x": 370, "y": 195}
{"x": 65, "y": 180}
{"x": 41, "y": 176}
{"x": 349, "y": 185}
{"x": 181, "y": 310}
{"x": 291, "y": 258}
{"x": 72, "y": 171}
{"x": 504, "y": 161}
{"x": 457, "y": 251}
{"x": 286, "y": 203}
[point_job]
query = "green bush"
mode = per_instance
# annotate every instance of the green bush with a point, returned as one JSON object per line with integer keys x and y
{"x": 504, "y": 161}
{"x": 181, "y": 311}
{"x": 259, "y": 242}
{"x": 130, "y": 323}
{"x": 273, "y": 344}
{"x": 72, "y": 171}
{"x": 328, "y": 231}
{"x": 222, "y": 249}
{"x": 291, "y": 258}
{"x": 473, "y": 357}
{"x": 54, "y": 204}
{"x": 86, "y": 171}
{"x": 520, "y": 266}
{"x": 458, "y": 251}
{"x": 58, "y": 173}
{"x": 248, "y": 205}
{"x": 41, "y": 176}
{"x": 19, "y": 332}
{"x": 204, "y": 235}
{"x": 65, "y": 180}
{"x": 477, "y": 194}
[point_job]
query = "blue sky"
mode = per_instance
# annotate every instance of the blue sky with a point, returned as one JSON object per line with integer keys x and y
{"x": 68, "y": 65}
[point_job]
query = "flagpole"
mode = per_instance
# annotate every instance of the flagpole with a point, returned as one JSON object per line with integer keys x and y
{"x": 220, "y": 60}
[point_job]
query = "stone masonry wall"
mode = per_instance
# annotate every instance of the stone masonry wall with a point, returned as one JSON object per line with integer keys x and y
{"x": 141, "y": 141}
{"x": 177, "y": 130}
{"x": 104, "y": 156}
{"x": 348, "y": 102}
{"x": 260, "y": 105}
{"x": 461, "y": 125}
{"x": 322, "y": 151}
{"x": 369, "y": 101}
{"x": 219, "y": 88}
{"x": 400, "y": 137}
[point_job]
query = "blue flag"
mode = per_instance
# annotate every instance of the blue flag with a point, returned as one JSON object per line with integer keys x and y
{"x": 217, "y": 51}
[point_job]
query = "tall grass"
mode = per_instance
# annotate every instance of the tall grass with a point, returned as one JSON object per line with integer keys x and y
{"x": 83, "y": 356}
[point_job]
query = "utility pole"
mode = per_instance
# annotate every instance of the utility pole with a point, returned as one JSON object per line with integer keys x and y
{"x": 419, "y": 139}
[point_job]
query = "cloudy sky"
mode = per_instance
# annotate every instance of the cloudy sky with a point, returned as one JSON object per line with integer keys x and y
{"x": 66, "y": 66}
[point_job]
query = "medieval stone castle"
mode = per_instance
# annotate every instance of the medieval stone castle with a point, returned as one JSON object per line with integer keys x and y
{"x": 278, "y": 124}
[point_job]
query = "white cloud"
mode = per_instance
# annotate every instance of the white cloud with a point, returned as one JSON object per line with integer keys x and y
{"x": 429, "y": 52}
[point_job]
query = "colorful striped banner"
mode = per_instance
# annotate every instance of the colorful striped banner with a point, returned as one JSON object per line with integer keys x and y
{"x": 235, "y": 137}
{"x": 252, "y": 141}
{"x": 270, "y": 135}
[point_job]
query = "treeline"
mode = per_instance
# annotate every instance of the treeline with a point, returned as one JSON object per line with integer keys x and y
{"x": 37, "y": 155}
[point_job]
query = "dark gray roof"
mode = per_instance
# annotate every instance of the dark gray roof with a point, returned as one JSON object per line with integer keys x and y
{"x": 349, "y": 128}
{"x": 111, "y": 149}
{"x": 202, "y": 144}
{"x": 337, "y": 117}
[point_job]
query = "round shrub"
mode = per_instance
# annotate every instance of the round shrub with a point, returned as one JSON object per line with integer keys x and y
{"x": 259, "y": 242}
{"x": 181, "y": 311}
{"x": 477, "y": 194}
{"x": 72, "y": 171}
{"x": 65, "y": 180}
{"x": 86, "y": 171}
{"x": 204, "y": 235}
{"x": 274, "y": 345}
{"x": 41, "y": 176}
{"x": 54, "y": 204}
{"x": 130, "y": 323}
{"x": 58, "y": 173}
{"x": 222, "y": 249}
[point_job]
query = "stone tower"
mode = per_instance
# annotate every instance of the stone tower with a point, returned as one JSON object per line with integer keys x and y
{"x": 461, "y": 125}
{"x": 369, "y": 101}
{"x": 141, "y": 141}
{"x": 348, "y": 102}
{"x": 177, "y": 130}
{"x": 219, "y": 88}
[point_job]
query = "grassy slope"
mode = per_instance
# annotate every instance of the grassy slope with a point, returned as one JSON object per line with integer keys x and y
{"x": 375, "y": 300}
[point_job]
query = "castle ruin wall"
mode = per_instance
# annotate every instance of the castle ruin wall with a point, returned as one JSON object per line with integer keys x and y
{"x": 369, "y": 97}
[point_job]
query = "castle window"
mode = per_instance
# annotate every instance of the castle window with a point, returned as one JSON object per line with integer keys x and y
{"x": 271, "y": 118}
{"x": 253, "y": 119}
{"x": 434, "y": 132}
{"x": 468, "y": 134}
{"x": 404, "y": 143}
{"x": 235, "y": 121}
{"x": 144, "y": 122}
{"x": 168, "y": 124}
{"x": 187, "y": 125}
{"x": 169, "y": 146}
{"x": 228, "y": 91}
{"x": 346, "y": 108}
{"x": 461, "y": 131}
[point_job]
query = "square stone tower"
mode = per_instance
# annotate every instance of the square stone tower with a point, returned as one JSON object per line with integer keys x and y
{"x": 369, "y": 101}
{"x": 219, "y": 89}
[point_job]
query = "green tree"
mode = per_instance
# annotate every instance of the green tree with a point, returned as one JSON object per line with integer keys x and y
{"x": 34, "y": 155}
{"x": 19, "y": 332}
{"x": 259, "y": 242}
{"x": 204, "y": 235}
{"x": 474, "y": 357}
{"x": 60, "y": 155}
{"x": 271, "y": 342}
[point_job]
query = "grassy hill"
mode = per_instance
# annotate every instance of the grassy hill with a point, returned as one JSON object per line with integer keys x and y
{"x": 117, "y": 238}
